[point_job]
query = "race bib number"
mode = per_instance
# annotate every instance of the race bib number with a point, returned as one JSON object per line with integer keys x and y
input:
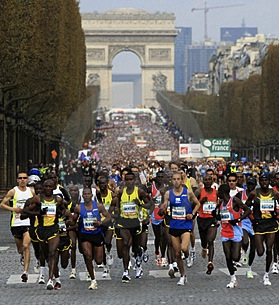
{"x": 266, "y": 206}
{"x": 225, "y": 216}
{"x": 88, "y": 223}
{"x": 19, "y": 204}
{"x": 129, "y": 208}
{"x": 208, "y": 207}
{"x": 157, "y": 201}
{"x": 51, "y": 209}
{"x": 62, "y": 225}
{"x": 179, "y": 213}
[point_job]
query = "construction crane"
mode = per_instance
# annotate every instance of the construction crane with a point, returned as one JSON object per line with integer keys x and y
{"x": 206, "y": 9}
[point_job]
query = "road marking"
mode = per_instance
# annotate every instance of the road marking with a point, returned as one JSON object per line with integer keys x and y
{"x": 240, "y": 271}
{"x": 98, "y": 276}
{"x": 158, "y": 273}
{"x": 16, "y": 279}
{"x": 4, "y": 248}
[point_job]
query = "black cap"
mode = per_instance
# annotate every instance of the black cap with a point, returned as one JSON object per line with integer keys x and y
{"x": 252, "y": 180}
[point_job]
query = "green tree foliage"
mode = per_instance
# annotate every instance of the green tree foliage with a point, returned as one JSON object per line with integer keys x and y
{"x": 245, "y": 111}
{"x": 42, "y": 61}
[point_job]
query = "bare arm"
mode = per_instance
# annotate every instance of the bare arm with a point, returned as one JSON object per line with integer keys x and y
{"x": 5, "y": 202}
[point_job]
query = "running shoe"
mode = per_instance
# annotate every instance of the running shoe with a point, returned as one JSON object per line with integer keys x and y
{"x": 41, "y": 280}
{"x": 21, "y": 259}
{"x": 232, "y": 283}
{"x": 125, "y": 277}
{"x": 105, "y": 273}
{"x": 139, "y": 273}
{"x": 57, "y": 285}
{"x": 175, "y": 267}
{"x": 73, "y": 274}
{"x": 164, "y": 262}
{"x": 182, "y": 281}
{"x": 37, "y": 267}
{"x": 183, "y": 257}
{"x": 24, "y": 277}
{"x": 238, "y": 264}
{"x": 100, "y": 265}
{"x": 193, "y": 254}
{"x": 171, "y": 273}
{"x": 138, "y": 261}
{"x": 109, "y": 259}
{"x": 88, "y": 278}
{"x": 145, "y": 257}
{"x": 203, "y": 253}
{"x": 210, "y": 268}
{"x": 49, "y": 285}
{"x": 244, "y": 259}
{"x": 158, "y": 259}
{"x": 266, "y": 280}
{"x": 274, "y": 269}
{"x": 189, "y": 261}
{"x": 249, "y": 274}
{"x": 93, "y": 285}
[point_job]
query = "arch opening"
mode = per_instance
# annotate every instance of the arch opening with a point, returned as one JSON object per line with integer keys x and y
{"x": 126, "y": 80}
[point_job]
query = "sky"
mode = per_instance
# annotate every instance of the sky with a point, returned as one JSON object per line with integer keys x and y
{"x": 255, "y": 13}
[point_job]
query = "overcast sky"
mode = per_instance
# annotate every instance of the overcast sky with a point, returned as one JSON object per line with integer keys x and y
{"x": 256, "y": 13}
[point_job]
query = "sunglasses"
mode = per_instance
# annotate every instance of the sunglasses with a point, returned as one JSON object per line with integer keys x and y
{"x": 232, "y": 180}
{"x": 22, "y": 178}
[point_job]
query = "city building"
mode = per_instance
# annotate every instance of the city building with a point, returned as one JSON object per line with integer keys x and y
{"x": 183, "y": 39}
{"x": 197, "y": 58}
{"x": 239, "y": 61}
{"x": 231, "y": 34}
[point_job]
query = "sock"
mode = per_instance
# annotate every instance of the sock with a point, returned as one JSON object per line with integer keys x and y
{"x": 170, "y": 266}
{"x": 42, "y": 271}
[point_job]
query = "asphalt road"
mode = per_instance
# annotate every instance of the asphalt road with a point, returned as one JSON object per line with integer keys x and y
{"x": 155, "y": 287}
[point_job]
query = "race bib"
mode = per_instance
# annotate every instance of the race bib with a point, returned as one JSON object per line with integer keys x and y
{"x": 129, "y": 208}
{"x": 51, "y": 209}
{"x": 208, "y": 207}
{"x": 266, "y": 206}
{"x": 179, "y": 213}
{"x": 225, "y": 216}
{"x": 157, "y": 201}
{"x": 88, "y": 223}
{"x": 19, "y": 204}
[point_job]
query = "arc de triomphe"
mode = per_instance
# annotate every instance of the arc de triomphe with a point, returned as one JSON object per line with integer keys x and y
{"x": 149, "y": 35}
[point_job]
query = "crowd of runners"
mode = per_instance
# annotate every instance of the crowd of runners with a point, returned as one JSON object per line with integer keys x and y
{"x": 124, "y": 197}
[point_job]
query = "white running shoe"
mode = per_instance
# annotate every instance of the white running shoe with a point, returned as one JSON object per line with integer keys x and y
{"x": 171, "y": 273}
{"x": 189, "y": 261}
{"x": 232, "y": 283}
{"x": 109, "y": 259}
{"x": 164, "y": 262}
{"x": 266, "y": 280}
{"x": 182, "y": 281}
{"x": 274, "y": 269}
{"x": 41, "y": 280}
{"x": 50, "y": 285}
{"x": 93, "y": 285}
{"x": 126, "y": 277}
{"x": 193, "y": 254}
{"x": 73, "y": 274}
{"x": 37, "y": 267}
{"x": 105, "y": 273}
{"x": 139, "y": 273}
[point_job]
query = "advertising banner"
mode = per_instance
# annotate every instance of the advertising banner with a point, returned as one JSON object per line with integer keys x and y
{"x": 189, "y": 151}
{"x": 220, "y": 147}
